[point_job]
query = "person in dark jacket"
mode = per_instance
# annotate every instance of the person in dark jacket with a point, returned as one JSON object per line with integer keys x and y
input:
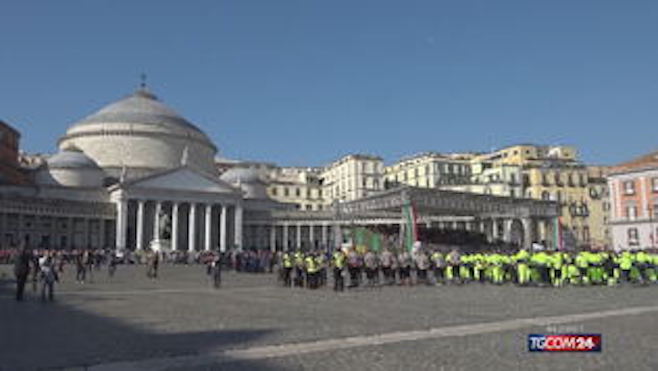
{"x": 22, "y": 271}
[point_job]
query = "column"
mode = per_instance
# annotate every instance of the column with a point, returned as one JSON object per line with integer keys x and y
{"x": 222, "y": 229}
{"x": 238, "y": 226}
{"x": 338, "y": 237}
{"x": 494, "y": 230}
{"x": 325, "y": 241}
{"x": 85, "y": 233}
{"x": 507, "y": 230}
{"x": 19, "y": 230}
{"x": 174, "y": 226}
{"x": 53, "y": 232}
{"x": 528, "y": 235}
{"x": 272, "y": 237}
{"x": 156, "y": 221}
{"x": 101, "y": 233}
{"x": 285, "y": 237}
{"x": 311, "y": 235}
{"x": 208, "y": 238}
{"x": 191, "y": 236}
{"x": 298, "y": 236}
{"x": 140, "y": 225}
{"x": 122, "y": 223}
{"x": 71, "y": 230}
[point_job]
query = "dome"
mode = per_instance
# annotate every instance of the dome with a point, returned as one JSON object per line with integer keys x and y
{"x": 70, "y": 168}
{"x": 249, "y": 180}
{"x": 71, "y": 159}
{"x": 143, "y": 134}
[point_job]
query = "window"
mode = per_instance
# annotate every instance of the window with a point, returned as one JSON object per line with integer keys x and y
{"x": 586, "y": 236}
{"x": 286, "y": 191}
{"x": 274, "y": 192}
{"x": 629, "y": 187}
{"x": 298, "y": 192}
{"x": 512, "y": 178}
{"x": 654, "y": 184}
{"x": 633, "y": 237}
{"x": 631, "y": 212}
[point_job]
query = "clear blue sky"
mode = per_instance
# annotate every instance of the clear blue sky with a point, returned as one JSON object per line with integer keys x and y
{"x": 304, "y": 82}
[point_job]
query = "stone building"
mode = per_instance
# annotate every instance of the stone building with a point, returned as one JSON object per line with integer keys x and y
{"x": 352, "y": 177}
{"x": 633, "y": 188}
{"x": 10, "y": 172}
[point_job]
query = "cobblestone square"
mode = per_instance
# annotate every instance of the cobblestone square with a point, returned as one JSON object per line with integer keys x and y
{"x": 179, "y": 322}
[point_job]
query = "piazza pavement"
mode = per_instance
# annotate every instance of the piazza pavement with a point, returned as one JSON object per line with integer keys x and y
{"x": 179, "y": 322}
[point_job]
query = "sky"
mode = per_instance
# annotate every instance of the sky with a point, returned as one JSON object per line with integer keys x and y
{"x": 302, "y": 83}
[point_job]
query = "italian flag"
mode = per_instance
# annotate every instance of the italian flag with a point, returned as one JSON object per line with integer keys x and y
{"x": 411, "y": 228}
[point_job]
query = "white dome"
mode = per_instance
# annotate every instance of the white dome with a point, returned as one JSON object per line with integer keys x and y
{"x": 143, "y": 134}
{"x": 70, "y": 168}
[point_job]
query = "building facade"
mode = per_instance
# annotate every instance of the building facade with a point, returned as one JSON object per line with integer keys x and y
{"x": 10, "y": 172}
{"x": 633, "y": 187}
{"x": 352, "y": 177}
{"x": 298, "y": 186}
{"x": 428, "y": 170}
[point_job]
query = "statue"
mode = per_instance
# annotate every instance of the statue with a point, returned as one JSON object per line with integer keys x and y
{"x": 165, "y": 226}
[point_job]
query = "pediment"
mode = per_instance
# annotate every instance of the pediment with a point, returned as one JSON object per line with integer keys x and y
{"x": 183, "y": 179}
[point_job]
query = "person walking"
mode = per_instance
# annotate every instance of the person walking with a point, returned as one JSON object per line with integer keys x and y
{"x": 48, "y": 278}
{"x": 216, "y": 269}
{"x": 22, "y": 271}
{"x": 80, "y": 267}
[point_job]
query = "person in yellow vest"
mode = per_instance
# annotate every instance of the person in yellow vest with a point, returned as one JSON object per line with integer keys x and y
{"x": 582, "y": 263}
{"x": 338, "y": 262}
{"x": 311, "y": 271}
{"x": 642, "y": 260}
{"x": 287, "y": 263}
{"x": 625, "y": 266}
{"x": 523, "y": 270}
{"x": 299, "y": 268}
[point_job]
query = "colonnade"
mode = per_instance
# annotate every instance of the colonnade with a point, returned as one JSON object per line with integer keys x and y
{"x": 193, "y": 226}
{"x": 54, "y": 231}
{"x": 292, "y": 235}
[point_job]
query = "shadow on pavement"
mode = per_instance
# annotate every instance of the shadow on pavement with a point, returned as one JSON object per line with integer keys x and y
{"x": 36, "y": 335}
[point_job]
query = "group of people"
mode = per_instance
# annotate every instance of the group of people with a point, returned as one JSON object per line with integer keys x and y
{"x": 41, "y": 267}
{"x": 434, "y": 266}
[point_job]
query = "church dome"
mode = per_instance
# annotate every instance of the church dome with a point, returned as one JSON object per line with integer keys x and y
{"x": 70, "y": 168}
{"x": 142, "y": 134}
{"x": 71, "y": 158}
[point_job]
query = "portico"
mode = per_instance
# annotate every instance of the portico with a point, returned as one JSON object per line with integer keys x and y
{"x": 182, "y": 207}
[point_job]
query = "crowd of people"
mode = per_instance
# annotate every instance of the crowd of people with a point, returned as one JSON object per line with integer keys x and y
{"x": 353, "y": 266}
{"x": 436, "y": 267}
{"x": 44, "y": 267}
